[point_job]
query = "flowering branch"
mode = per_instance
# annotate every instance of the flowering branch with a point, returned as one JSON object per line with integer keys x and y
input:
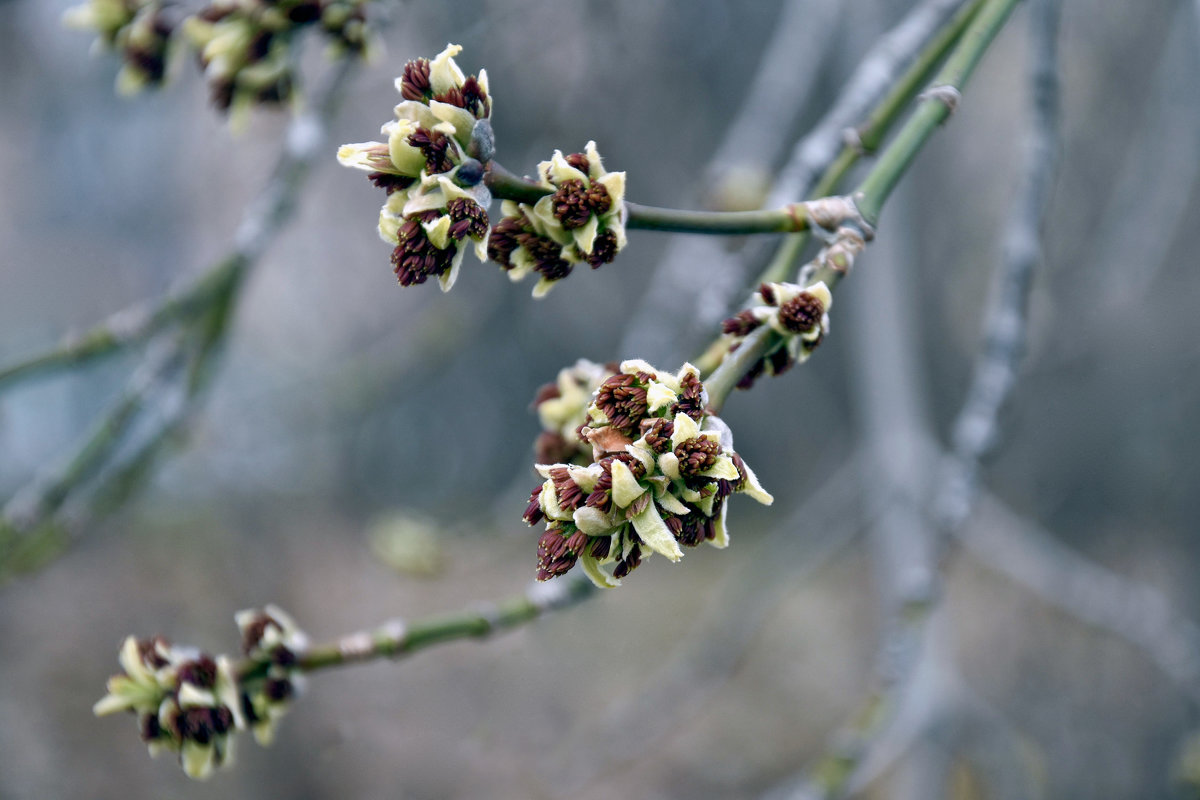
{"x": 396, "y": 638}
{"x": 790, "y": 218}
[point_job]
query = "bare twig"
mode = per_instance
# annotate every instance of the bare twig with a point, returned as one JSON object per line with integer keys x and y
{"x": 203, "y": 311}
{"x": 708, "y": 269}
{"x": 820, "y": 527}
{"x": 1136, "y": 613}
{"x": 1006, "y": 319}
{"x": 866, "y": 87}
{"x": 898, "y": 707}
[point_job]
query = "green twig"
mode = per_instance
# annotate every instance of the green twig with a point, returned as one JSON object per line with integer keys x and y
{"x": 789, "y": 219}
{"x": 982, "y": 25}
{"x": 868, "y": 135}
{"x": 397, "y": 638}
{"x": 933, "y": 108}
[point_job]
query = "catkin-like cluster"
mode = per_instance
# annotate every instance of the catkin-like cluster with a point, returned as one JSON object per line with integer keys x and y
{"x": 190, "y": 703}
{"x": 431, "y": 166}
{"x": 661, "y": 470}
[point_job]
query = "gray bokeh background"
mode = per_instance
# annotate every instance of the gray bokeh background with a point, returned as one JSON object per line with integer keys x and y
{"x": 343, "y": 398}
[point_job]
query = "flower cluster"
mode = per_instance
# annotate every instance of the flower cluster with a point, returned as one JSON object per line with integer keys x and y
{"x": 431, "y": 166}
{"x": 662, "y": 468}
{"x": 271, "y": 638}
{"x": 140, "y": 30}
{"x": 191, "y": 703}
{"x": 186, "y": 702}
{"x": 244, "y": 45}
{"x": 799, "y": 314}
{"x": 562, "y": 410}
{"x": 579, "y": 220}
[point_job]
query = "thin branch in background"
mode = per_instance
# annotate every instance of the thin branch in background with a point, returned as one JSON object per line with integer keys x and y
{"x": 706, "y": 268}
{"x": 878, "y": 70}
{"x": 29, "y": 534}
{"x": 204, "y": 310}
{"x": 1006, "y": 319}
{"x": 909, "y": 563}
{"x": 1139, "y": 226}
{"x": 820, "y": 528}
{"x": 1139, "y": 614}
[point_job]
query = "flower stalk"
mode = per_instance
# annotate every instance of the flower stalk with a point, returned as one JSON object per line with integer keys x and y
{"x": 788, "y": 219}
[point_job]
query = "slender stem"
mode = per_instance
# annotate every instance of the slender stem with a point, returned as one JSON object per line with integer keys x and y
{"x": 736, "y": 364}
{"x": 869, "y": 134}
{"x": 788, "y": 219}
{"x": 933, "y": 110}
{"x": 124, "y": 329}
{"x": 397, "y": 638}
{"x": 975, "y": 28}
{"x": 30, "y": 521}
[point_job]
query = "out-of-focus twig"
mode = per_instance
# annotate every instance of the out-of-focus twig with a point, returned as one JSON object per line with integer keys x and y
{"x": 707, "y": 269}
{"x": 794, "y": 551}
{"x": 203, "y": 313}
{"x": 896, "y": 50}
{"x": 909, "y": 560}
{"x": 1006, "y": 319}
{"x": 1136, "y": 613}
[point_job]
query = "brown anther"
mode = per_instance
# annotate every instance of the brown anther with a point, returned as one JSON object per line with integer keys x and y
{"x": 278, "y": 689}
{"x": 576, "y": 542}
{"x": 148, "y": 652}
{"x": 569, "y": 495}
{"x": 547, "y": 256}
{"x": 691, "y": 397}
{"x": 503, "y": 240}
{"x": 222, "y": 720}
{"x": 553, "y": 557}
{"x": 253, "y": 634}
{"x": 414, "y": 83}
{"x": 658, "y": 435}
{"x": 629, "y": 563}
{"x": 802, "y": 313}
{"x": 283, "y": 656}
{"x": 752, "y": 375}
{"x": 622, "y": 398}
{"x": 195, "y": 724}
{"x": 150, "y": 727}
{"x": 201, "y": 672}
{"x": 780, "y": 361}
{"x": 571, "y": 204}
{"x": 304, "y": 13}
{"x": 389, "y": 182}
{"x": 416, "y": 258}
{"x": 467, "y": 218}
{"x": 551, "y": 447}
{"x": 639, "y": 504}
{"x": 604, "y": 249}
{"x": 740, "y": 324}
{"x": 599, "y": 199}
{"x": 469, "y": 96}
{"x": 435, "y": 146}
{"x": 600, "y": 547}
{"x": 767, "y": 293}
{"x": 547, "y": 391}
{"x": 533, "y": 511}
{"x": 696, "y": 455}
{"x": 580, "y": 162}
